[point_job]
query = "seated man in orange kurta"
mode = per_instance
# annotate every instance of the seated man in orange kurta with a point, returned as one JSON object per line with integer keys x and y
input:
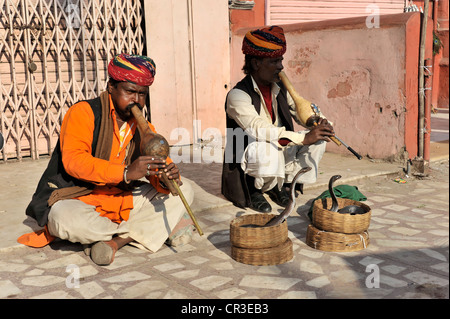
{"x": 97, "y": 197}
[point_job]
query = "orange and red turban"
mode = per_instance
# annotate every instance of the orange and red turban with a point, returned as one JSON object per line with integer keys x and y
{"x": 136, "y": 69}
{"x": 267, "y": 42}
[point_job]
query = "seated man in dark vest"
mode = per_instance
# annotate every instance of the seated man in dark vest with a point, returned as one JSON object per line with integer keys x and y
{"x": 92, "y": 191}
{"x": 263, "y": 152}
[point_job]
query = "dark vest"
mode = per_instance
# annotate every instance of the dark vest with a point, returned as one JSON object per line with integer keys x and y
{"x": 55, "y": 176}
{"x": 234, "y": 185}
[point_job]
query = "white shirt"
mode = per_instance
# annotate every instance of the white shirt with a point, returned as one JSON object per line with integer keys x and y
{"x": 240, "y": 108}
{"x": 265, "y": 159}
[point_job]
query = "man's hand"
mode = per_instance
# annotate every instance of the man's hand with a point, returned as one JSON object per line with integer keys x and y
{"x": 321, "y": 132}
{"x": 151, "y": 165}
{"x": 145, "y": 166}
{"x": 173, "y": 172}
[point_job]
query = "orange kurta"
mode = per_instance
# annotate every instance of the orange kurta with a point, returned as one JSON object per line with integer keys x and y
{"x": 76, "y": 141}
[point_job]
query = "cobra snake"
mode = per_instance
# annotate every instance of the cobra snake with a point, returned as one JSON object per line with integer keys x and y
{"x": 350, "y": 209}
{"x": 291, "y": 204}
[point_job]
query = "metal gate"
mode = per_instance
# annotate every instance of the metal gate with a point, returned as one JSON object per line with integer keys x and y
{"x": 54, "y": 53}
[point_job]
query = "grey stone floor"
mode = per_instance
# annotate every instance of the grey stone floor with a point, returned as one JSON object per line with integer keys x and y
{"x": 407, "y": 257}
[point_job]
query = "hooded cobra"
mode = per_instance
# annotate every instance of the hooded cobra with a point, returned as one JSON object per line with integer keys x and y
{"x": 350, "y": 209}
{"x": 290, "y": 206}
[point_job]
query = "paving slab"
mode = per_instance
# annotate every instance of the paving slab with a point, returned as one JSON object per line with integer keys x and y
{"x": 406, "y": 258}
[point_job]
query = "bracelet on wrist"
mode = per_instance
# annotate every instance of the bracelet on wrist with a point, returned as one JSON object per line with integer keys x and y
{"x": 125, "y": 171}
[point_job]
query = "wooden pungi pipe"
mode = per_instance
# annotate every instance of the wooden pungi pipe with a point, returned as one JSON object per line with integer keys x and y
{"x": 156, "y": 145}
{"x": 308, "y": 112}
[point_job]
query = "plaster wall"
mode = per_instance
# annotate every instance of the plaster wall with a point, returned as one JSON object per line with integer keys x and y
{"x": 363, "y": 76}
{"x": 189, "y": 42}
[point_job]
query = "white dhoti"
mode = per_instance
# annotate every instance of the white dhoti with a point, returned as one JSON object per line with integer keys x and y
{"x": 271, "y": 166}
{"x": 150, "y": 223}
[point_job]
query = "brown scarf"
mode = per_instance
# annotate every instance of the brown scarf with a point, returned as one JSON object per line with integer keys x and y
{"x": 103, "y": 151}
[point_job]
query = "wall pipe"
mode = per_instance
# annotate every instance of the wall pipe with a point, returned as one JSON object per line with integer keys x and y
{"x": 195, "y": 132}
{"x": 267, "y": 12}
{"x": 423, "y": 34}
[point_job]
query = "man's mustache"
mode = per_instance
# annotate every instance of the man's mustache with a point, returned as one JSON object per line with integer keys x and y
{"x": 129, "y": 106}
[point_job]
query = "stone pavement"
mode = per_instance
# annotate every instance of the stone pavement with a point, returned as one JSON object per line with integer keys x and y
{"x": 407, "y": 256}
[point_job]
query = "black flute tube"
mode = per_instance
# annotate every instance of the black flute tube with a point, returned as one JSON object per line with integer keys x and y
{"x": 349, "y": 148}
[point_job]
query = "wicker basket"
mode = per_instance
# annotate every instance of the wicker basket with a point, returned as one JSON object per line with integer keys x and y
{"x": 327, "y": 220}
{"x": 264, "y": 256}
{"x": 259, "y": 237}
{"x": 338, "y": 242}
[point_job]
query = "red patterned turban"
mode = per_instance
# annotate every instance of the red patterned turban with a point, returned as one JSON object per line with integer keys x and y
{"x": 136, "y": 69}
{"x": 267, "y": 42}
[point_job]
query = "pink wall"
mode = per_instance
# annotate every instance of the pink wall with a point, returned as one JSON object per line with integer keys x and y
{"x": 300, "y": 11}
{"x": 247, "y": 18}
{"x": 439, "y": 12}
{"x": 441, "y": 61}
{"x": 193, "y": 67}
{"x": 365, "y": 80}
